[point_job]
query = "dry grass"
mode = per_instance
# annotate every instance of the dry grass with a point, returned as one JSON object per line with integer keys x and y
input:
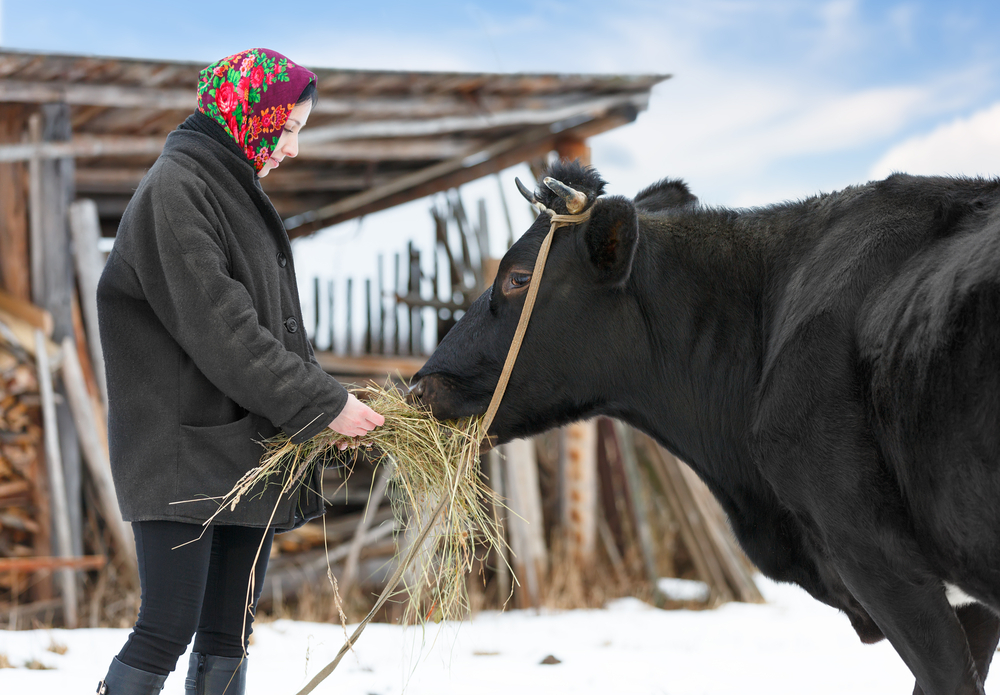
{"x": 431, "y": 460}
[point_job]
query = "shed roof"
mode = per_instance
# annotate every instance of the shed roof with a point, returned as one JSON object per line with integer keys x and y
{"x": 376, "y": 138}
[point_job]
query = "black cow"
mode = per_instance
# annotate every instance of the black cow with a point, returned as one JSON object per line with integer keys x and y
{"x": 830, "y": 368}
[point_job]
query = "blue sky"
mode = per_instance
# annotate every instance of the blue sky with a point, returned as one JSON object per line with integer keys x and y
{"x": 770, "y": 100}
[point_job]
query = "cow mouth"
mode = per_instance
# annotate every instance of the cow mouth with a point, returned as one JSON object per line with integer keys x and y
{"x": 437, "y": 392}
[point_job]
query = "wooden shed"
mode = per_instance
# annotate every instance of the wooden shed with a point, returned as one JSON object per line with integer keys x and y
{"x": 375, "y": 139}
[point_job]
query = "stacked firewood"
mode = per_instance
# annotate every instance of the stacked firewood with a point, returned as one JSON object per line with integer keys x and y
{"x": 20, "y": 448}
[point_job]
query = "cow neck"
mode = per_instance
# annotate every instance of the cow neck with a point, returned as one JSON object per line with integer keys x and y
{"x": 705, "y": 389}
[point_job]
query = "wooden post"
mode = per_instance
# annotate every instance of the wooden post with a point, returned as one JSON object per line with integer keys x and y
{"x": 14, "y": 252}
{"x": 413, "y": 290}
{"x": 330, "y": 314}
{"x": 350, "y": 575}
{"x": 578, "y": 469}
{"x": 572, "y": 148}
{"x": 506, "y": 212}
{"x": 368, "y": 316}
{"x": 52, "y": 279}
{"x": 579, "y": 465}
{"x": 95, "y": 455}
{"x": 349, "y": 332}
{"x": 500, "y": 552}
{"x": 57, "y": 483}
{"x": 317, "y": 310}
{"x": 483, "y": 233}
{"x": 381, "y": 306}
{"x": 524, "y": 520}
{"x": 633, "y": 479}
{"x": 396, "y": 349}
{"x": 85, "y": 226}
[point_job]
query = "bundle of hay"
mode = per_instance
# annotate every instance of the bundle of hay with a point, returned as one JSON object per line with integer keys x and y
{"x": 431, "y": 460}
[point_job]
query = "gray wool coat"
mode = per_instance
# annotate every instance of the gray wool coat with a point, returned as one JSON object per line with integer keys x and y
{"x": 205, "y": 351}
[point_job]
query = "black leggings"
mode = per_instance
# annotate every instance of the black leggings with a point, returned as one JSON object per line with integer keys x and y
{"x": 199, "y": 587}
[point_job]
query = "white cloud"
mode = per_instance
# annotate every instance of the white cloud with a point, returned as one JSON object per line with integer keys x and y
{"x": 968, "y": 146}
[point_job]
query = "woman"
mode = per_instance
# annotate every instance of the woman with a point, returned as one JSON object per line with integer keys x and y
{"x": 206, "y": 357}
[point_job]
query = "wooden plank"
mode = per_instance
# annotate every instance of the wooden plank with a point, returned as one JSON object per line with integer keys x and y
{"x": 737, "y": 568}
{"x": 94, "y": 146}
{"x": 57, "y": 482}
{"x": 37, "y": 564}
{"x": 34, "y": 316}
{"x": 14, "y": 255}
{"x": 14, "y": 489}
{"x": 95, "y": 455}
{"x": 578, "y": 477}
{"x": 584, "y": 108}
{"x": 35, "y": 206}
{"x": 350, "y": 574}
{"x": 22, "y": 334}
{"x": 498, "y": 554}
{"x": 85, "y": 230}
{"x": 361, "y": 105}
{"x": 85, "y": 146}
{"x": 374, "y": 365}
{"x": 626, "y": 442}
{"x": 524, "y": 521}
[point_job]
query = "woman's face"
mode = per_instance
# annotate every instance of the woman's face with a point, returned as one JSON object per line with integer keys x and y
{"x": 288, "y": 143}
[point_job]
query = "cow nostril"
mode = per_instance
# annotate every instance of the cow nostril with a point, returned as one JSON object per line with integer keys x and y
{"x": 417, "y": 391}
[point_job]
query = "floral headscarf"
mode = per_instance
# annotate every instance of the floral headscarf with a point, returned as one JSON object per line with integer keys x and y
{"x": 250, "y": 94}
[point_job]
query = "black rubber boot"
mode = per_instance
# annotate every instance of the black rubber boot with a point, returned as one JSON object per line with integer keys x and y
{"x": 122, "y": 679}
{"x": 216, "y": 675}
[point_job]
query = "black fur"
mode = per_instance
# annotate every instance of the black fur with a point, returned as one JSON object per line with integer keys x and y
{"x": 830, "y": 368}
{"x": 665, "y": 194}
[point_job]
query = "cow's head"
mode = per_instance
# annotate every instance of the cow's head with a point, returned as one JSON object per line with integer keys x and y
{"x": 572, "y": 344}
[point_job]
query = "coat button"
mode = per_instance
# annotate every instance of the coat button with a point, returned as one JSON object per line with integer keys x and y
{"x": 291, "y": 325}
{"x": 282, "y": 260}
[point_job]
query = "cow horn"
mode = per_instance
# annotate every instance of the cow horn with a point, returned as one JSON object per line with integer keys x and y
{"x": 528, "y": 195}
{"x": 575, "y": 200}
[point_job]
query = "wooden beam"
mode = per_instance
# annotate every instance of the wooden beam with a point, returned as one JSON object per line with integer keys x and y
{"x": 85, "y": 230}
{"x": 578, "y": 472}
{"x": 451, "y": 174}
{"x": 95, "y": 454}
{"x": 34, "y": 316}
{"x": 370, "y": 365}
{"x": 368, "y": 107}
{"x": 14, "y": 259}
{"x": 524, "y": 521}
{"x": 57, "y": 481}
{"x": 390, "y": 149}
{"x": 585, "y": 109}
{"x": 85, "y": 146}
{"x": 401, "y": 149}
{"x": 97, "y": 95}
{"x": 36, "y": 564}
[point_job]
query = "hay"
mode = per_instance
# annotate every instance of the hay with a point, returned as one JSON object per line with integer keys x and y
{"x": 425, "y": 455}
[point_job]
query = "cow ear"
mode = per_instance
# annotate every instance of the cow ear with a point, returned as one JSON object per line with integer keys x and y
{"x": 610, "y": 239}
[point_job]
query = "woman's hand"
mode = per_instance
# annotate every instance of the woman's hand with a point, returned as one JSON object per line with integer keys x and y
{"x": 355, "y": 420}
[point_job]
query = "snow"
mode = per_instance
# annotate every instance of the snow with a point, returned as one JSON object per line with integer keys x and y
{"x": 791, "y": 645}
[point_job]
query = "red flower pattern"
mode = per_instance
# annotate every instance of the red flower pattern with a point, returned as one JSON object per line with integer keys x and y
{"x": 226, "y": 98}
{"x": 254, "y": 105}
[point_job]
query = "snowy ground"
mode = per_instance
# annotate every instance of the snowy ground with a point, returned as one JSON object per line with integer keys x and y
{"x": 790, "y": 646}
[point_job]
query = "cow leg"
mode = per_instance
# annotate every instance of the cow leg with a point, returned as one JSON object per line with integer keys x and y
{"x": 982, "y": 630}
{"x": 908, "y": 603}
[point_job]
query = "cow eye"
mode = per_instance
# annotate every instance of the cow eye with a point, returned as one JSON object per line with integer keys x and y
{"x": 517, "y": 280}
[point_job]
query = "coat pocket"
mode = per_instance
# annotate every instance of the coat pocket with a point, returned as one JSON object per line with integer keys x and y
{"x": 212, "y": 459}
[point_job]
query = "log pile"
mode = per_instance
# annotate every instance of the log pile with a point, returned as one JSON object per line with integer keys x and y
{"x": 21, "y": 519}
